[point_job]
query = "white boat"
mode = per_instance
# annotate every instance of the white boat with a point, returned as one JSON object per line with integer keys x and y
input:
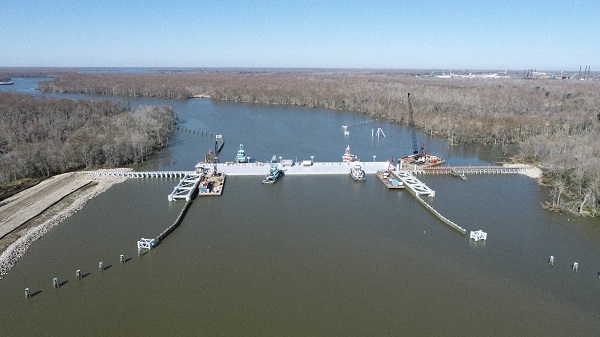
{"x": 6, "y": 81}
{"x": 357, "y": 173}
{"x": 349, "y": 157}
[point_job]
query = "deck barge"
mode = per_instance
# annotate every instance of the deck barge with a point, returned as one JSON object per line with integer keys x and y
{"x": 388, "y": 181}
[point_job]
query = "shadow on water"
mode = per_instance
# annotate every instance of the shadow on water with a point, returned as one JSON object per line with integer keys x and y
{"x": 85, "y": 275}
{"x": 62, "y": 283}
{"x": 36, "y": 293}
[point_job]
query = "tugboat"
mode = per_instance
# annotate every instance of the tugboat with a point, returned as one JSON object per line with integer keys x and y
{"x": 241, "y": 155}
{"x": 349, "y": 157}
{"x": 357, "y": 173}
{"x": 274, "y": 174}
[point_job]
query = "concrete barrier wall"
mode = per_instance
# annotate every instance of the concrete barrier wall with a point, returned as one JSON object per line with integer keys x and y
{"x": 440, "y": 216}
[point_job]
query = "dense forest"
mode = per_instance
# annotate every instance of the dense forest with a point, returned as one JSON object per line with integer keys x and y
{"x": 40, "y": 137}
{"x": 554, "y": 122}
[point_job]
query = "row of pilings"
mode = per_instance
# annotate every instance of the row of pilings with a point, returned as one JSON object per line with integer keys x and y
{"x": 133, "y": 174}
{"x": 197, "y": 132}
{"x": 472, "y": 170}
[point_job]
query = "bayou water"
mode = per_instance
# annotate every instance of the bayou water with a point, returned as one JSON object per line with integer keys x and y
{"x": 318, "y": 255}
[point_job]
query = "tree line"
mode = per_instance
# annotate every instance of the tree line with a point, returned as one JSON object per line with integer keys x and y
{"x": 40, "y": 137}
{"x": 553, "y": 122}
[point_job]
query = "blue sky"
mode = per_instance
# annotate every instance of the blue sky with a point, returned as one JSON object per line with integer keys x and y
{"x": 453, "y": 34}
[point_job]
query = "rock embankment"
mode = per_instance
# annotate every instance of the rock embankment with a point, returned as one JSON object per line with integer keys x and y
{"x": 28, "y": 207}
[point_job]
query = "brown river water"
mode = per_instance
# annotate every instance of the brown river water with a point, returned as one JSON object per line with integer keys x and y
{"x": 309, "y": 255}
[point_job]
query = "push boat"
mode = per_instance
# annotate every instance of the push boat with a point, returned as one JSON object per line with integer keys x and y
{"x": 349, "y": 157}
{"x": 241, "y": 155}
{"x": 357, "y": 173}
{"x": 275, "y": 173}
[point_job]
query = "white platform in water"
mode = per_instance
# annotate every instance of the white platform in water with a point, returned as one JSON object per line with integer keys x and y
{"x": 480, "y": 235}
{"x": 316, "y": 168}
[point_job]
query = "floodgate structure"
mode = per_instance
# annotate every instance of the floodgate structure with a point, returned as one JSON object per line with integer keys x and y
{"x": 209, "y": 179}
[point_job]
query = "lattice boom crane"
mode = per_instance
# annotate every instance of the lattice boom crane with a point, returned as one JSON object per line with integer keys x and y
{"x": 411, "y": 123}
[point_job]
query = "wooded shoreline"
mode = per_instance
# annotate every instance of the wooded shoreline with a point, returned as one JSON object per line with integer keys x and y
{"x": 42, "y": 137}
{"x": 553, "y": 122}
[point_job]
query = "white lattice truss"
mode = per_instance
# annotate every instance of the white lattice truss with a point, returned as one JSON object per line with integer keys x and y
{"x": 417, "y": 186}
{"x": 186, "y": 187}
{"x": 478, "y": 235}
{"x": 146, "y": 243}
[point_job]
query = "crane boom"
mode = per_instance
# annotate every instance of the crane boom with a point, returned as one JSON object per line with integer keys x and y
{"x": 411, "y": 123}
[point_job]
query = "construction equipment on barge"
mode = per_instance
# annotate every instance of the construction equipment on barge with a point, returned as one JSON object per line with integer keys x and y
{"x": 417, "y": 159}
